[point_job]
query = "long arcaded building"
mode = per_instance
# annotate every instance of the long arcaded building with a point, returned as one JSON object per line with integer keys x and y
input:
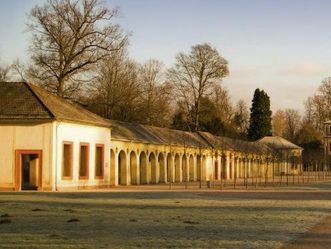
{"x": 48, "y": 143}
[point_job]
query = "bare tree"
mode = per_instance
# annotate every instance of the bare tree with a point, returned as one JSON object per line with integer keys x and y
{"x": 292, "y": 123}
{"x": 151, "y": 78}
{"x": 309, "y": 111}
{"x": 241, "y": 117}
{"x": 194, "y": 74}
{"x": 325, "y": 93}
{"x": 69, "y": 37}
{"x": 4, "y": 72}
{"x": 155, "y": 96}
{"x": 279, "y": 123}
{"x": 116, "y": 89}
{"x": 318, "y": 106}
{"x": 19, "y": 70}
{"x": 221, "y": 99}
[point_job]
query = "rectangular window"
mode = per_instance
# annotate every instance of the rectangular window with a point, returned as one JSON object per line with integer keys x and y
{"x": 84, "y": 161}
{"x": 99, "y": 160}
{"x": 329, "y": 146}
{"x": 330, "y": 129}
{"x": 67, "y": 160}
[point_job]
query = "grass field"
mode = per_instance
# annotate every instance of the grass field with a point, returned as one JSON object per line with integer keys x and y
{"x": 178, "y": 219}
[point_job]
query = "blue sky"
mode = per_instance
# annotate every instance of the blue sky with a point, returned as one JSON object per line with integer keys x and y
{"x": 281, "y": 46}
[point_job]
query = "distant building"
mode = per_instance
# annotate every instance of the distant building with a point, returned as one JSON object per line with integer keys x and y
{"x": 48, "y": 143}
{"x": 288, "y": 155}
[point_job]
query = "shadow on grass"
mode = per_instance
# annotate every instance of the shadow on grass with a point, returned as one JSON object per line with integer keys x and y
{"x": 213, "y": 195}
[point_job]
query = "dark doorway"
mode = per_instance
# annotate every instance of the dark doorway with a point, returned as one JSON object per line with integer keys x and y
{"x": 28, "y": 170}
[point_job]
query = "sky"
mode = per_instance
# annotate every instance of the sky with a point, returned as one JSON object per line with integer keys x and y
{"x": 280, "y": 46}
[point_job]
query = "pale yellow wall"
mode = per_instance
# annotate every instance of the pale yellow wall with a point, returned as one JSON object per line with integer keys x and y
{"x": 24, "y": 137}
{"x": 128, "y": 146}
{"x": 231, "y": 161}
{"x": 49, "y": 138}
{"x": 77, "y": 134}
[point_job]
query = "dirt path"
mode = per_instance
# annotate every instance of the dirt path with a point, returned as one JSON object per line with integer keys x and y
{"x": 316, "y": 238}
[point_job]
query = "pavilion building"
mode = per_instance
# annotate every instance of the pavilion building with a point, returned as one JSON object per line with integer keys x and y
{"x": 49, "y": 143}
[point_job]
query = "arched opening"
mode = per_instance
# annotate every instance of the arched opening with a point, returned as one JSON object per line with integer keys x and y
{"x": 163, "y": 172}
{"x": 177, "y": 169}
{"x": 143, "y": 168}
{"x": 122, "y": 168}
{"x": 154, "y": 170}
{"x": 191, "y": 162}
{"x": 133, "y": 168}
{"x": 185, "y": 169}
{"x": 112, "y": 167}
{"x": 198, "y": 169}
{"x": 216, "y": 170}
{"x": 223, "y": 167}
{"x": 203, "y": 168}
{"x": 241, "y": 168}
{"x": 169, "y": 168}
{"x": 231, "y": 167}
{"x": 244, "y": 164}
{"x": 235, "y": 167}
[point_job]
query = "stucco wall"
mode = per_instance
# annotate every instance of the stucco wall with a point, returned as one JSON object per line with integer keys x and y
{"x": 137, "y": 148}
{"x": 49, "y": 137}
{"x": 24, "y": 137}
{"x": 77, "y": 134}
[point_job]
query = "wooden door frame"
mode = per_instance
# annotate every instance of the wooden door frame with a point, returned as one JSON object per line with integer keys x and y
{"x": 18, "y": 167}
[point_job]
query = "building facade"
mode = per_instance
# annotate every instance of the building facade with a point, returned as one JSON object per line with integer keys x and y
{"x": 48, "y": 143}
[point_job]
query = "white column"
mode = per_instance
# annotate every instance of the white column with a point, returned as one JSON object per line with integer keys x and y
{"x": 238, "y": 168}
{"x": 180, "y": 168}
{"x": 241, "y": 167}
{"x": 138, "y": 169}
{"x": 195, "y": 167}
{"x": 157, "y": 168}
{"x": 249, "y": 164}
{"x": 165, "y": 173}
{"x": 187, "y": 168}
{"x": 172, "y": 168}
{"x": 116, "y": 168}
{"x": 232, "y": 166}
{"x": 127, "y": 170}
{"x": 219, "y": 168}
{"x": 227, "y": 166}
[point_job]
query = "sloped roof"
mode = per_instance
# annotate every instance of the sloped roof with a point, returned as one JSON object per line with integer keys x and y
{"x": 17, "y": 102}
{"x": 133, "y": 132}
{"x": 225, "y": 143}
{"x": 278, "y": 143}
{"x": 26, "y": 102}
{"x": 215, "y": 141}
{"x": 156, "y": 135}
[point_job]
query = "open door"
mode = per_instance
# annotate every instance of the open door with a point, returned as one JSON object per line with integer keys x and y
{"x": 28, "y": 170}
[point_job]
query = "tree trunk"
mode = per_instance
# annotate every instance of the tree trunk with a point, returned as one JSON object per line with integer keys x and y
{"x": 60, "y": 87}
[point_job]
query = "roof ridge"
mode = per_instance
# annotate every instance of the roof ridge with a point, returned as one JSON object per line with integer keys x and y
{"x": 38, "y": 98}
{"x": 64, "y": 100}
{"x": 63, "y": 109}
{"x": 199, "y": 133}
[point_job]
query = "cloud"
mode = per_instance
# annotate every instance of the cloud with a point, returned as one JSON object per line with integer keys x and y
{"x": 304, "y": 69}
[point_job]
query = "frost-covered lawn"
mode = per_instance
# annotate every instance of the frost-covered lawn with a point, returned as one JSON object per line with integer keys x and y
{"x": 207, "y": 219}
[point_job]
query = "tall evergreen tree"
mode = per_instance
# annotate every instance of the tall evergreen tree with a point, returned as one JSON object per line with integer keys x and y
{"x": 260, "y": 117}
